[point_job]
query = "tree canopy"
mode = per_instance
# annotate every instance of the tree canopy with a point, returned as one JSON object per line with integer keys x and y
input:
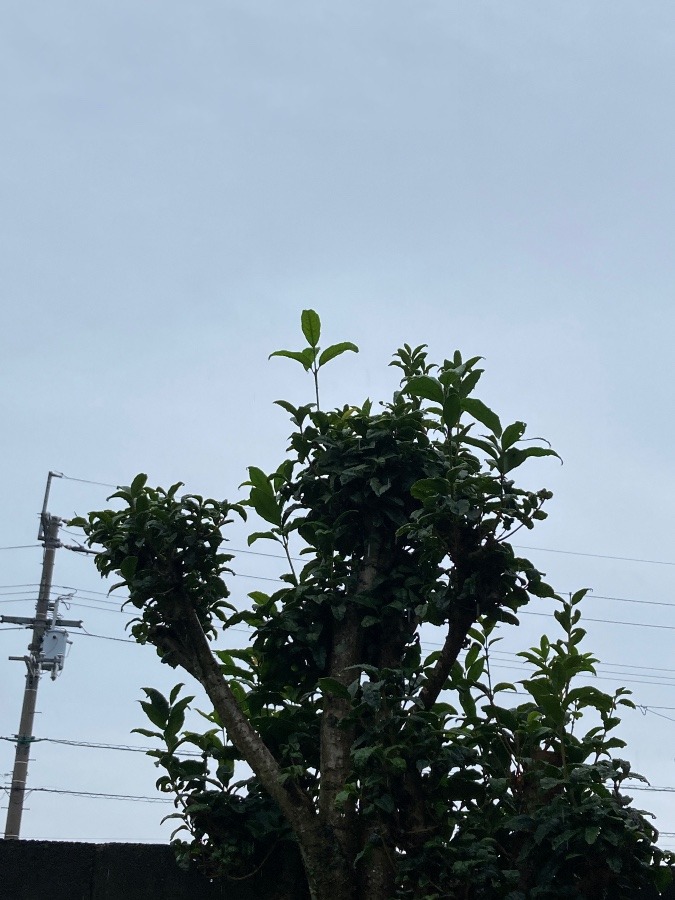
{"x": 335, "y": 738}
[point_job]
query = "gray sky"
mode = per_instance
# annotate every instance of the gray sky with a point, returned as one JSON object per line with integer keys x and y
{"x": 179, "y": 180}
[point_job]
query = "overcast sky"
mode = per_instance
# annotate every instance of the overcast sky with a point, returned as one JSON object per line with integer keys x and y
{"x": 179, "y": 181}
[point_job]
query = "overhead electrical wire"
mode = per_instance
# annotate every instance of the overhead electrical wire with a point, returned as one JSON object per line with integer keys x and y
{"x": 21, "y": 546}
{"x": 93, "y": 745}
{"x": 93, "y": 794}
{"x": 625, "y": 678}
{"x": 144, "y": 799}
{"x": 653, "y": 562}
{"x": 608, "y": 676}
{"x": 88, "y": 481}
{"x": 632, "y": 677}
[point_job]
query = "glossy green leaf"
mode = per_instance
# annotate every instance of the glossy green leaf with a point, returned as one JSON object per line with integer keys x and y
{"x": 260, "y": 536}
{"x": 260, "y": 480}
{"x": 483, "y": 414}
{"x": 516, "y": 456}
{"x": 512, "y": 434}
{"x": 266, "y": 506}
{"x": 334, "y": 687}
{"x": 156, "y": 707}
{"x": 311, "y": 326}
{"x": 469, "y": 382}
{"x": 297, "y": 355}
{"x": 452, "y": 409}
{"x": 284, "y": 404}
{"x": 591, "y": 834}
{"x": 138, "y": 484}
{"x": 430, "y": 487}
{"x": 128, "y": 567}
{"x": 426, "y": 387}
{"x": 336, "y": 350}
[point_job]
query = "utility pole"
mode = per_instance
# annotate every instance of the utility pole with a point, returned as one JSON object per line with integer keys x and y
{"x": 37, "y": 661}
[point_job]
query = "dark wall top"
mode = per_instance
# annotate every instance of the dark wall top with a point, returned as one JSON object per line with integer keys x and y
{"x": 33, "y": 870}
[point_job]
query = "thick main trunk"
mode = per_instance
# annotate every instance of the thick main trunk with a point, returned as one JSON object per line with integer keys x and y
{"x": 337, "y": 737}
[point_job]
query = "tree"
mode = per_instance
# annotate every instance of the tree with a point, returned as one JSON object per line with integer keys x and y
{"x": 391, "y": 773}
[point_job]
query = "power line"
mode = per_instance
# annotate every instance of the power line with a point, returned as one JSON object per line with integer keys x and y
{"x": 630, "y": 600}
{"x": 97, "y": 608}
{"x": 656, "y": 562}
{"x": 670, "y": 789}
{"x": 652, "y": 710}
{"x": 93, "y": 745}
{"x": 106, "y": 637}
{"x": 105, "y": 796}
{"x": 523, "y": 612}
{"x": 93, "y": 794}
{"x": 20, "y": 546}
{"x": 653, "y": 562}
{"x": 608, "y": 677}
{"x": 88, "y": 481}
{"x": 623, "y": 672}
{"x": 26, "y": 584}
{"x": 69, "y": 587}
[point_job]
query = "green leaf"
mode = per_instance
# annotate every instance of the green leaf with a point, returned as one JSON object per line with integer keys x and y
{"x": 386, "y": 803}
{"x": 512, "y": 434}
{"x": 430, "y": 487}
{"x": 591, "y": 834}
{"x": 259, "y": 479}
{"x": 334, "y": 687}
{"x": 128, "y": 567}
{"x": 284, "y": 404}
{"x": 427, "y": 387}
{"x": 137, "y": 485}
{"x": 297, "y": 355}
{"x": 157, "y": 710}
{"x": 309, "y": 354}
{"x": 266, "y": 506}
{"x": 515, "y": 456}
{"x": 175, "y": 691}
{"x": 472, "y": 655}
{"x": 261, "y": 535}
{"x": 663, "y": 878}
{"x": 336, "y": 350}
{"x": 379, "y": 487}
{"x": 311, "y": 326}
{"x": 484, "y": 415}
{"x": 469, "y": 383}
{"x": 146, "y": 732}
{"x": 452, "y": 409}
{"x": 177, "y": 717}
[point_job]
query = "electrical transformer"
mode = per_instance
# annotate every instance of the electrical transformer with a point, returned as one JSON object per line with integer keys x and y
{"x": 54, "y": 649}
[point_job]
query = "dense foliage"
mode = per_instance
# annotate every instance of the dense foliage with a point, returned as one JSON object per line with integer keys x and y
{"x": 390, "y": 772}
